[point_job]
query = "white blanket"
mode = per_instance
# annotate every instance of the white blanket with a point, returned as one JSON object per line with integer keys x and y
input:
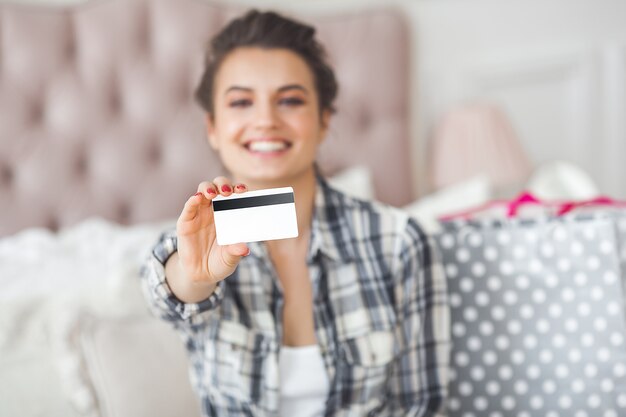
{"x": 46, "y": 280}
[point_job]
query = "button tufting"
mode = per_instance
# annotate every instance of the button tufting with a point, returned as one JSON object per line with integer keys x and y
{"x": 102, "y": 81}
{"x": 115, "y": 100}
{"x": 70, "y": 49}
{"x": 36, "y": 111}
{"x": 6, "y": 174}
{"x": 124, "y": 213}
{"x": 53, "y": 224}
{"x": 154, "y": 152}
{"x": 81, "y": 165}
{"x": 364, "y": 120}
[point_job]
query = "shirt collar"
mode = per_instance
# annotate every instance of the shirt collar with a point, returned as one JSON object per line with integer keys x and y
{"x": 330, "y": 234}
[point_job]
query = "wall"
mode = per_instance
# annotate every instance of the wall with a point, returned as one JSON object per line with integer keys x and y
{"x": 557, "y": 67}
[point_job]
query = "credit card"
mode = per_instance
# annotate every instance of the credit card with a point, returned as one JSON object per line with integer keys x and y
{"x": 255, "y": 216}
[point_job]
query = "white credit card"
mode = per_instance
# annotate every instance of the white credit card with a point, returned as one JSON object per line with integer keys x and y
{"x": 255, "y": 216}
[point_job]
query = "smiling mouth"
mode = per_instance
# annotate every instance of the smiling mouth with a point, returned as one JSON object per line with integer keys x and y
{"x": 267, "y": 146}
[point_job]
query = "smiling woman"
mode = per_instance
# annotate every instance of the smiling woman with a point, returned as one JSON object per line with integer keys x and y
{"x": 266, "y": 123}
{"x": 349, "y": 318}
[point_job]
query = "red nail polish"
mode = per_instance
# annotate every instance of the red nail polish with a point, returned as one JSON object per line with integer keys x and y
{"x": 198, "y": 193}
{"x": 210, "y": 191}
{"x": 226, "y": 188}
{"x": 241, "y": 187}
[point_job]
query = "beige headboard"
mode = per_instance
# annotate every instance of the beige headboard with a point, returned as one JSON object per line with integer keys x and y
{"x": 97, "y": 116}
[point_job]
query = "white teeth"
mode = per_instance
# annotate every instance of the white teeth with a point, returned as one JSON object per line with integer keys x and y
{"x": 267, "y": 146}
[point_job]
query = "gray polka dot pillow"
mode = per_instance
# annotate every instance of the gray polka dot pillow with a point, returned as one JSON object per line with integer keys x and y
{"x": 537, "y": 317}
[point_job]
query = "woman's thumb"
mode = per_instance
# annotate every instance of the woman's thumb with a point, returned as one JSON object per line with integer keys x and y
{"x": 236, "y": 251}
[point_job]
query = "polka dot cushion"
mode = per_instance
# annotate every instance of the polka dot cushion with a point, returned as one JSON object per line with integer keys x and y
{"x": 537, "y": 317}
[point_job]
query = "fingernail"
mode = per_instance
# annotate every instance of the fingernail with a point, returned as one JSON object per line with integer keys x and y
{"x": 241, "y": 187}
{"x": 226, "y": 188}
{"x": 247, "y": 253}
{"x": 210, "y": 191}
{"x": 198, "y": 193}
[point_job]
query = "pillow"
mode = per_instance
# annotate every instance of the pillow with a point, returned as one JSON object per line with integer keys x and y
{"x": 451, "y": 199}
{"x": 138, "y": 367}
{"x": 355, "y": 181}
{"x": 561, "y": 180}
{"x": 537, "y": 317}
{"x": 30, "y": 385}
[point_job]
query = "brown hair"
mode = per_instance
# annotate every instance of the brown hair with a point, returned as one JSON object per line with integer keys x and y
{"x": 269, "y": 30}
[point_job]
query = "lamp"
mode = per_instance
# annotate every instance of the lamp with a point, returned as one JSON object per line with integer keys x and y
{"x": 477, "y": 139}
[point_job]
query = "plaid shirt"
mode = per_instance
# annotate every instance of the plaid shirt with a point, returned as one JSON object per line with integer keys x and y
{"x": 380, "y": 310}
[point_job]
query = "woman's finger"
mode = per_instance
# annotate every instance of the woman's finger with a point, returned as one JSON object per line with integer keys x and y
{"x": 191, "y": 207}
{"x": 224, "y": 186}
{"x": 240, "y": 188}
{"x": 232, "y": 254}
{"x": 238, "y": 249}
{"x": 208, "y": 189}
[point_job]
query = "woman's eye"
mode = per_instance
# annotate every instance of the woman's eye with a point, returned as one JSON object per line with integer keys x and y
{"x": 292, "y": 101}
{"x": 240, "y": 103}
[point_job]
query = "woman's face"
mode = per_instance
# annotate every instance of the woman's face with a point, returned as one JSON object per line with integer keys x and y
{"x": 266, "y": 123}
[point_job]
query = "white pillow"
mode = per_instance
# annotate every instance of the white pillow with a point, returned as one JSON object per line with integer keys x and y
{"x": 449, "y": 200}
{"x": 355, "y": 181}
{"x": 561, "y": 180}
{"x": 138, "y": 367}
{"x": 30, "y": 385}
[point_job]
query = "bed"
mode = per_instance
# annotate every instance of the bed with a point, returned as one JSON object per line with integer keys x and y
{"x": 97, "y": 116}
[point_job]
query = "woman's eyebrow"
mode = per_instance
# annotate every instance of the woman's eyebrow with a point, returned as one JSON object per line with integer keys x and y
{"x": 280, "y": 89}
{"x": 237, "y": 88}
{"x": 293, "y": 87}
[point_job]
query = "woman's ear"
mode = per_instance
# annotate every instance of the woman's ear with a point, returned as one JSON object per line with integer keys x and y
{"x": 210, "y": 129}
{"x": 324, "y": 123}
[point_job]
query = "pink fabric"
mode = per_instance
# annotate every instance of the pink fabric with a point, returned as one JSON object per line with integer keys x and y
{"x": 596, "y": 202}
{"x": 513, "y": 206}
{"x": 97, "y": 116}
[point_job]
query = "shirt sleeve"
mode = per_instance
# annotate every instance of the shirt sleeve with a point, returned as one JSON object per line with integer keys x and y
{"x": 420, "y": 374}
{"x": 161, "y": 300}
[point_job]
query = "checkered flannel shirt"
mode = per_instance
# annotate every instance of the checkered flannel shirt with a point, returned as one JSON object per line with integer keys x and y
{"x": 380, "y": 308}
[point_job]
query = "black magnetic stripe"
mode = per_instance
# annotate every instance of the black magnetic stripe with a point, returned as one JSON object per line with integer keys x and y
{"x": 246, "y": 202}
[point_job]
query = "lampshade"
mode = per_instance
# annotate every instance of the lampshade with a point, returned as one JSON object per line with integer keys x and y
{"x": 477, "y": 139}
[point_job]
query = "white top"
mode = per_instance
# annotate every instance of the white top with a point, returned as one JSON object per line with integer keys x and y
{"x": 304, "y": 383}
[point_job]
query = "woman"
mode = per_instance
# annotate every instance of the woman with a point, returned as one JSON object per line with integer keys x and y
{"x": 349, "y": 318}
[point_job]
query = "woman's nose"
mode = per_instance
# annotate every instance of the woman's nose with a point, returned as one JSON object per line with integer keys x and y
{"x": 265, "y": 115}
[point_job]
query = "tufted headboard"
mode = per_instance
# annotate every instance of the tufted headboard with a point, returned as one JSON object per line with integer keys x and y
{"x": 97, "y": 116}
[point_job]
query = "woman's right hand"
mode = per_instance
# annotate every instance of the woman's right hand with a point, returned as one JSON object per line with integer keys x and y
{"x": 201, "y": 260}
